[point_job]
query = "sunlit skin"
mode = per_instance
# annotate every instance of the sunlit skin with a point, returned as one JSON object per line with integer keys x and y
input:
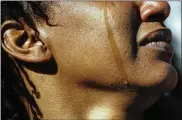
{"x": 102, "y": 72}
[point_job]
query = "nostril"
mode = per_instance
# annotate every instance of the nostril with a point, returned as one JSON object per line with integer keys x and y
{"x": 156, "y": 17}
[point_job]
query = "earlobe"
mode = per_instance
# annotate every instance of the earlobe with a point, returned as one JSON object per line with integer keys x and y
{"x": 20, "y": 41}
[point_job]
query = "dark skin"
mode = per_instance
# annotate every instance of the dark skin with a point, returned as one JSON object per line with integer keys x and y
{"x": 101, "y": 70}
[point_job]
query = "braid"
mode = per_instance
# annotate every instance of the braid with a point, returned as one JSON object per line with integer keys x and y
{"x": 12, "y": 84}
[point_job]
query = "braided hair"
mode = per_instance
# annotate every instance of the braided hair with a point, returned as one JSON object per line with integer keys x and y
{"x": 13, "y": 87}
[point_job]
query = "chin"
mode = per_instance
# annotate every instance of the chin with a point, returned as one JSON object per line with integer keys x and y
{"x": 153, "y": 74}
{"x": 153, "y": 80}
{"x": 154, "y": 77}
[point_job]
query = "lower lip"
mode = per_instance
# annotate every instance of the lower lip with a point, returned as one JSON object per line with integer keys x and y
{"x": 161, "y": 46}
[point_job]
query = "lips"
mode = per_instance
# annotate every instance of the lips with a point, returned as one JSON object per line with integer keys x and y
{"x": 162, "y": 34}
{"x": 158, "y": 39}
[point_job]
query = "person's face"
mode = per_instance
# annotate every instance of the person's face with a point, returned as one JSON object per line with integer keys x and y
{"x": 100, "y": 43}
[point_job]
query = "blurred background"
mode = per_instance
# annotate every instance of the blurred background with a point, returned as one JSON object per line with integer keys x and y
{"x": 174, "y": 23}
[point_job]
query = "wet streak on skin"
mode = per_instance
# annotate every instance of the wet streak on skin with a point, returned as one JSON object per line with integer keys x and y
{"x": 113, "y": 44}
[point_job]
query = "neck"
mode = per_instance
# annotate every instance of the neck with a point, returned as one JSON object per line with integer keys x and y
{"x": 62, "y": 100}
{"x": 90, "y": 106}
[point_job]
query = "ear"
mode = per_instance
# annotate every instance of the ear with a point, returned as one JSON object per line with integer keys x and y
{"x": 23, "y": 43}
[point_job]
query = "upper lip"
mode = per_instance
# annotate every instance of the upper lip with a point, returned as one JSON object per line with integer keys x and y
{"x": 160, "y": 34}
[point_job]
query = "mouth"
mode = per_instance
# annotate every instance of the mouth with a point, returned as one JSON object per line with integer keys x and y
{"x": 159, "y": 39}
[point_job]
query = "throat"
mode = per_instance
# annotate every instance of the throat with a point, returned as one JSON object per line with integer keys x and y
{"x": 107, "y": 112}
{"x": 113, "y": 106}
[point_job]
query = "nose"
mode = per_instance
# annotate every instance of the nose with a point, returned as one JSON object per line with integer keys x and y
{"x": 154, "y": 11}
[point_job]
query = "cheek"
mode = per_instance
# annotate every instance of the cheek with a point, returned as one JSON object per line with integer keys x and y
{"x": 124, "y": 25}
{"x": 81, "y": 46}
{"x": 85, "y": 52}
